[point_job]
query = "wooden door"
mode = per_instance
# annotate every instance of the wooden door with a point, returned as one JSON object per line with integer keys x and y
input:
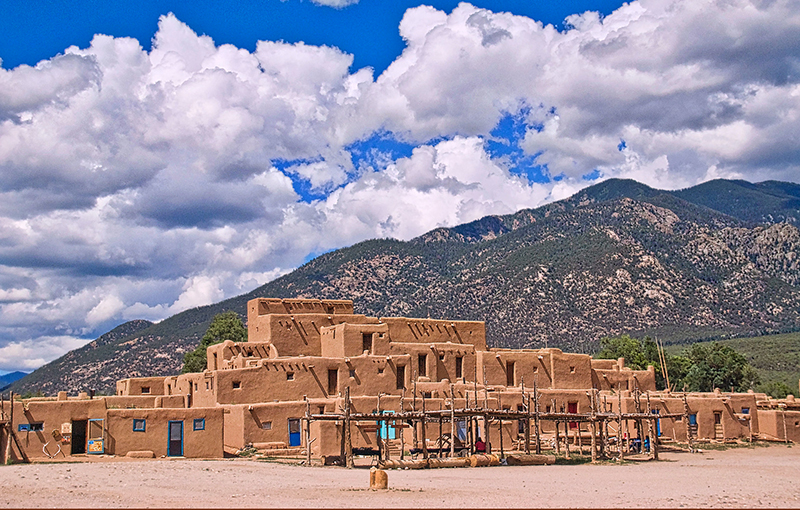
{"x": 175, "y": 438}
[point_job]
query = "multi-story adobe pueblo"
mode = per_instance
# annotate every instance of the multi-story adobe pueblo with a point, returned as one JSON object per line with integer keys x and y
{"x": 313, "y": 371}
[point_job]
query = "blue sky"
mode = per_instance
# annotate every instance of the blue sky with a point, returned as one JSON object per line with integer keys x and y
{"x": 170, "y": 155}
{"x": 35, "y": 30}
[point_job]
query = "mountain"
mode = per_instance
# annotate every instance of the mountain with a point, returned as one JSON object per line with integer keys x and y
{"x": 764, "y": 202}
{"x": 615, "y": 257}
{"x": 97, "y": 365}
{"x": 7, "y": 379}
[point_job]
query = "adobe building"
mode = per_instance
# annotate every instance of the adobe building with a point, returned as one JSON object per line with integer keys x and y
{"x": 313, "y": 371}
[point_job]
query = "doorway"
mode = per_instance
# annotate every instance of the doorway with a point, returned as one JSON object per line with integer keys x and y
{"x": 175, "y": 438}
{"x": 294, "y": 432}
{"x": 718, "y": 433}
{"x": 78, "y": 437}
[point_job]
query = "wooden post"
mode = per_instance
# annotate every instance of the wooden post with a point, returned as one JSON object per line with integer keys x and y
{"x": 593, "y": 425}
{"x": 528, "y": 426}
{"x": 470, "y": 437}
{"x": 653, "y": 429}
{"x": 348, "y": 441}
{"x": 620, "y": 447}
{"x": 783, "y": 415}
{"x": 502, "y": 453}
{"x": 7, "y": 455}
{"x": 536, "y": 418}
{"x": 475, "y": 384}
{"x": 486, "y": 424}
{"x": 453, "y": 431}
{"x": 689, "y": 438}
{"x": 415, "y": 437}
{"x": 308, "y": 430}
{"x": 441, "y": 432}
{"x": 378, "y": 438}
{"x": 566, "y": 439}
{"x": 402, "y": 426}
{"x": 558, "y": 441}
{"x": 424, "y": 429}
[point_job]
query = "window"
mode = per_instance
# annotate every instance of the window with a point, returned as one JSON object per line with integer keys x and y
{"x": 510, "y": 373}
{"x": 426, "y": 394}
{"x": 145, "y": 389}
{"x": 459, "y": 367}
{"x": 441, "y": 356}
{"x": 290, "y": 376}
{"x": 366, "y": 342}
{"x": 138, "y": 425}
{"x": 352, "y": 373}
{"x": 401, "y": 377}
{"x": 208, "y": 386}
{"x": 199, "y": 424}
{"x": 380, "y": 371}
{"x": 266, "y": 425}
{"x": 237, "y": 385}
{"x": 23, "y": 427}
{"x": 422, "y": 360}
{"x": 745, "y": 410}
{"x": 333, "y": 381}
{"x": 35, "y": 427}
{"x": 571, "y": 370}
{"x": 521, "y": 422}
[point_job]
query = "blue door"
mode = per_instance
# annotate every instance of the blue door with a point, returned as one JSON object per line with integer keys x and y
{"x": 658, "y": 422}
{"x": 692, "y": 419}
{"x": 175, "y": 439}
{"x": 385, "y": 431}
{"x": 294, "y": 432}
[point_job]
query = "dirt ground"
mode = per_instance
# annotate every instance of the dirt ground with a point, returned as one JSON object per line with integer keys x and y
{"x": 759, "y": 476}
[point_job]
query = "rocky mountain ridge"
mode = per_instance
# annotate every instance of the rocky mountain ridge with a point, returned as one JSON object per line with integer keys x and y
{"x": 617, "y": 257}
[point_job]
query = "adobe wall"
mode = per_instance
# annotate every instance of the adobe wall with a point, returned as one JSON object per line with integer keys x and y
{"x": 289, "y": 379}
{"x": 203, "y": 443}
{"x": 223, "y": 355}
{"x": 295, "y": 335}
{"x": 141, "y": 386}
{"x": 343, "y": 340}
{"x": 771, "y": 423}
{"x": 52, "y": 414}
{"x": 440, "y": 360}
{"x": 267, "y": 425}
{"x": 265, "y": 306}
{"x": 408, "y": 330}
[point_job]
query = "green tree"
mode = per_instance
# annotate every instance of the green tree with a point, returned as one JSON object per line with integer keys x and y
{"x": 638, "y": 354}
{"x": 224, "y": 326}
{"x": 776, "y": 389}
{"x": 718, "y": 366}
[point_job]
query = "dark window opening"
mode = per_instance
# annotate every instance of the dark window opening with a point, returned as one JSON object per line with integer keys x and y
{"x": 571, "y": 370}
{"x": 520, "y": 423}
{"x": 380, "y": 371}
{"x": 426, "y": 394}
{"x": 441, "y": 356}
{"x": 422, "y": 359}
{"x": 145, "y": 389}
{"x": 510, "y": 373}
{"x": 237, "y": 385}
{"x": 459, "y": 367}
{"x": 352, "y": 373}
{"x": 290, "y": 376}
{"x": 401, "y": 377}
{"x": 333, "y": 381}
{"x": 139, "y": 425}
{"x": 745, "y": 410}
{"x": 366, "y": 341}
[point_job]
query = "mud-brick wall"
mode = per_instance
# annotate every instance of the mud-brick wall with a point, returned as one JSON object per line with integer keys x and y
{"x": 203, "y": 439}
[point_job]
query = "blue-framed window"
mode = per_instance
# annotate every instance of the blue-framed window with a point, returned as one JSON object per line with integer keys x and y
{"x": 139, "y": 425}
{"x": 199, "y": 424}
{"x": 23, "y": 427}
{"x": 30, "y": 427}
